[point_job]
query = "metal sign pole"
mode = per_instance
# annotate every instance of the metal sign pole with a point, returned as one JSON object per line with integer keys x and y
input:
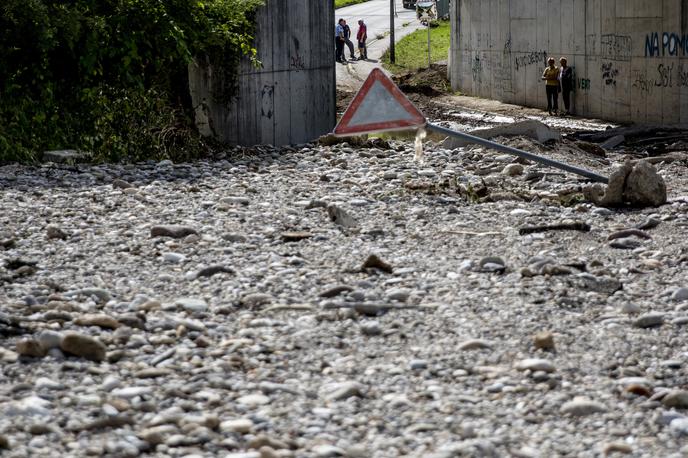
{"x": 517, "y": 152}
{"x": 392, "y": 11}
{"x": 429, "y": 59}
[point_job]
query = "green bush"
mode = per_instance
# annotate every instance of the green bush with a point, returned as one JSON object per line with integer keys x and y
{"x": 110, "y": 76}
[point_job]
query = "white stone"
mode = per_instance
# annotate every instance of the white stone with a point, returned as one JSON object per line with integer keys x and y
{"x": 240, "y": 425}
{"x": 534, "y": 364}
{"x": 191, "y": 304}
{"x": 254, "y": 400}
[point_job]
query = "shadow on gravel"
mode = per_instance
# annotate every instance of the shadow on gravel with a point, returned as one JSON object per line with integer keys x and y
{"x": 26, "y": 178}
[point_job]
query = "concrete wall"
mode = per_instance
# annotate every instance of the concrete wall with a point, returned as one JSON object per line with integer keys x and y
{"x": 291, "y": 99}
{"x": 629, "y": 56}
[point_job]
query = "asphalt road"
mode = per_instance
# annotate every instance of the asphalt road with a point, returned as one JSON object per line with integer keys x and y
{"x": 375, "y": 13}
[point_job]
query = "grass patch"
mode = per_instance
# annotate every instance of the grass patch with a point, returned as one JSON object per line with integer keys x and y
{"x": 343, "y": 3}
{"x": 412, "y": 50}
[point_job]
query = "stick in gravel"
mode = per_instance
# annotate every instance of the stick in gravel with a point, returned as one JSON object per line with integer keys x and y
{"x": 577, "y": 226}
{"x": 478, "y": 234}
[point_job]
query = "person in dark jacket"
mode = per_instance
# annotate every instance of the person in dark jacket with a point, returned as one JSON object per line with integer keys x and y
{"x": 347, "y": 39}
{"x": 566, "y": 80}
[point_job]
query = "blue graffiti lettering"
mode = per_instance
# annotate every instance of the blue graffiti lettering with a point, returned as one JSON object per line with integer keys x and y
{"x": 671, "y": 44}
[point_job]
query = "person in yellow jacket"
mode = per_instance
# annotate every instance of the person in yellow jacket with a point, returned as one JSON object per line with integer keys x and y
{"x": 551, "y": 76}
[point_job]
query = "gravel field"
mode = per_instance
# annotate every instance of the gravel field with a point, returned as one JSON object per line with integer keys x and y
{"x": 324, "y": 301}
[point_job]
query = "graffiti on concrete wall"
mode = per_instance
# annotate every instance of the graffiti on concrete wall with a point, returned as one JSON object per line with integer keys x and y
{"x": 665, "y": 77}
{"x": 477, "y": 69}
{"x": 666, "y": 44}
{"x": 503, "y": 74}
{"x": 583, "y": 84}
{"x": 609, "y": 73}
{"x": 297, "y": 62}
{"x": 267, "y": 99}
{"x": 616, "y": 47}
{"x": 531, "y": 58}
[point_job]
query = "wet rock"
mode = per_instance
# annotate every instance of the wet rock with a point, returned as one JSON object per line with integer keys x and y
{"x": 31, "y": 348}
{"x": 97, "y": 319}
{"x": 54, "y": 232}
{"x": 83, "y": 346}
{"x": 649, "y": 320}
{"x": 544, "y": 340}
{"x": 173, "y": 231}
{"x": 373, "y": 261}
{"x": 677, "y": 399}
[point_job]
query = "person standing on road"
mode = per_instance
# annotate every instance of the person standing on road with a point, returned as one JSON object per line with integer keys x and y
{"x": 347, "y": 39}
{"x": 551, "y": 76}
{"x": 339, "y": 41}
{"x": 361, "y": 37}
{"x": 566, "y": 79}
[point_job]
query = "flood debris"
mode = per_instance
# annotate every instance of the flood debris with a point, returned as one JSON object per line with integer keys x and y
{"x": 531, "y": 128}
{"x": 654, "y": 140}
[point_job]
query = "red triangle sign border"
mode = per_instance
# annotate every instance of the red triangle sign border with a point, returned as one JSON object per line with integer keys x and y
{"x": 417, "y": 119}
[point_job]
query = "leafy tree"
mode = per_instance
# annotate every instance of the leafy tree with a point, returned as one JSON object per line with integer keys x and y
{"x": 110, "y": 76}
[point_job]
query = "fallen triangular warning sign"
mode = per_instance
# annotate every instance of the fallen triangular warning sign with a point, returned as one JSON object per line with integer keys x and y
{"x": 379, "y": 106}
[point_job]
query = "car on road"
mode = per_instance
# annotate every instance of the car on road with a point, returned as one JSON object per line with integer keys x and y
{"x": 409, "y": 4}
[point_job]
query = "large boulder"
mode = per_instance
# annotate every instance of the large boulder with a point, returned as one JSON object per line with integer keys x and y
{"x": 636, "y": 184}
{"x": 645, "y": 187}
